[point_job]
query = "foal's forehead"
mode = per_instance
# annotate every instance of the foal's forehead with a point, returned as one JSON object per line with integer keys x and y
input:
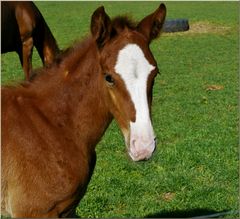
{"x": 132, "y": 64}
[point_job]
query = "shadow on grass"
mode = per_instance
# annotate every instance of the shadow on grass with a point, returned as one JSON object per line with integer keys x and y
{"x": 192, "y": 213}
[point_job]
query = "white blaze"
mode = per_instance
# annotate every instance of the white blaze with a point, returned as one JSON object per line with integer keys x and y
{"x": 134, "y": 69}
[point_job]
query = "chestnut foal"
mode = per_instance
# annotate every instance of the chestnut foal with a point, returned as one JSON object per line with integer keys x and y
{"x": 50, "y": 127}
{"x": 22, "y": 27}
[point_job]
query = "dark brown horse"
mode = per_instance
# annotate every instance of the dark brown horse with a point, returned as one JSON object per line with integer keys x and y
{"x": 50, "y": 127}
{"x": 22, "y": 27}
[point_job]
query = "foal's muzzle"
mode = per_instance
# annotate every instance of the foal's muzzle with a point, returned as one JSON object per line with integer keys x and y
{"x": 141, "y": 149}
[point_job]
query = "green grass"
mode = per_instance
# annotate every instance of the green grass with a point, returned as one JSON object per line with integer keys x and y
{"x": 195, "y": 168}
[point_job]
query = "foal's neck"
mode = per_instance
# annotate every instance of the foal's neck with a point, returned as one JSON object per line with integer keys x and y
{"x": 78, "y": 96}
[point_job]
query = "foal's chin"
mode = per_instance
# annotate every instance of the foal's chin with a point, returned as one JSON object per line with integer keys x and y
{"x": 141, "y": 157}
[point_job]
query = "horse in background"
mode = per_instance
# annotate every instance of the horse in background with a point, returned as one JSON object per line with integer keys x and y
{"x": 22, "y": 28}
{"x": 51, "y": 126}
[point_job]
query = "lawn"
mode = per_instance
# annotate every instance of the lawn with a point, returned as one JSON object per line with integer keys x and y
{"x": 195, "y": 169}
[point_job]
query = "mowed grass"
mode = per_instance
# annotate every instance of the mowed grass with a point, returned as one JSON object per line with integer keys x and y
{"x": 194, "y": 170}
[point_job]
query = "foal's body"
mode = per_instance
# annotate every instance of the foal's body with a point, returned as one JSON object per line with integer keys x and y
{"x": 50, "y": 127}
{"x": 22, "y": 27}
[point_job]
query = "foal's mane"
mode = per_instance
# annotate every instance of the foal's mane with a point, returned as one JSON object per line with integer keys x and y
{"x": 121, "y": 22}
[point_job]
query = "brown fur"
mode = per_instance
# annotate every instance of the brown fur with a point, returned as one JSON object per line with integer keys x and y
{"x": 22, "y": 27}
{"x": 50, "y": 127}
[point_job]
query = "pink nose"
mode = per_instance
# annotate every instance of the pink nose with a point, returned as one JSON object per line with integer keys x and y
{"x": 141, "y": 150}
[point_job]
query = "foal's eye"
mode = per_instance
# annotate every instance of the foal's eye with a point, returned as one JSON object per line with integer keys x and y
{"x": 109, "y": 79}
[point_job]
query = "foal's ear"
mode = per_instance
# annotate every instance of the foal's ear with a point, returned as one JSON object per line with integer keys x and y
{"x": 151, "y": 25}
{"x": 100, "y": 26}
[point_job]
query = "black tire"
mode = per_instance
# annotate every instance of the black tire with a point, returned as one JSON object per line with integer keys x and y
{"x": 176, "y": 25}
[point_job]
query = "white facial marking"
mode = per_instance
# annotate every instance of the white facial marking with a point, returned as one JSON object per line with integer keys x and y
{"x": 134, "y": 69}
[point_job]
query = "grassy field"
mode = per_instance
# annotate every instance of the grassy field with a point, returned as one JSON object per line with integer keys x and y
{"x": 195, "y": 115}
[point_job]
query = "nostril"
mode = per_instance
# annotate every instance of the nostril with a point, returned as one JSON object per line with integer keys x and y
{"x": 155, "y": 140}
{"x": 133, "y": 145}
{"x": 155, "y": 144}
{"x": 133, "y": 142}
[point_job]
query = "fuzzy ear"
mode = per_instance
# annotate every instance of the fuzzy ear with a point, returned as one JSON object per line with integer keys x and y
{"x": 152, "y": 24}
{"x": 100, "y": 26}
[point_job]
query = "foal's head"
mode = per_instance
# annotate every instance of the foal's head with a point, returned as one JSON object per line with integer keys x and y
{"x": 128, "y": 72}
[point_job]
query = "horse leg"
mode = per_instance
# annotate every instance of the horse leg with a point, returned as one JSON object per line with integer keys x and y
{"x": 45, "y": 52}
{"x": 27, "y": 49}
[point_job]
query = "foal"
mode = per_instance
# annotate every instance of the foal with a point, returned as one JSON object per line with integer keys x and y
{"x": 51, "y": 126}
{"x": 22, "y": 27}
